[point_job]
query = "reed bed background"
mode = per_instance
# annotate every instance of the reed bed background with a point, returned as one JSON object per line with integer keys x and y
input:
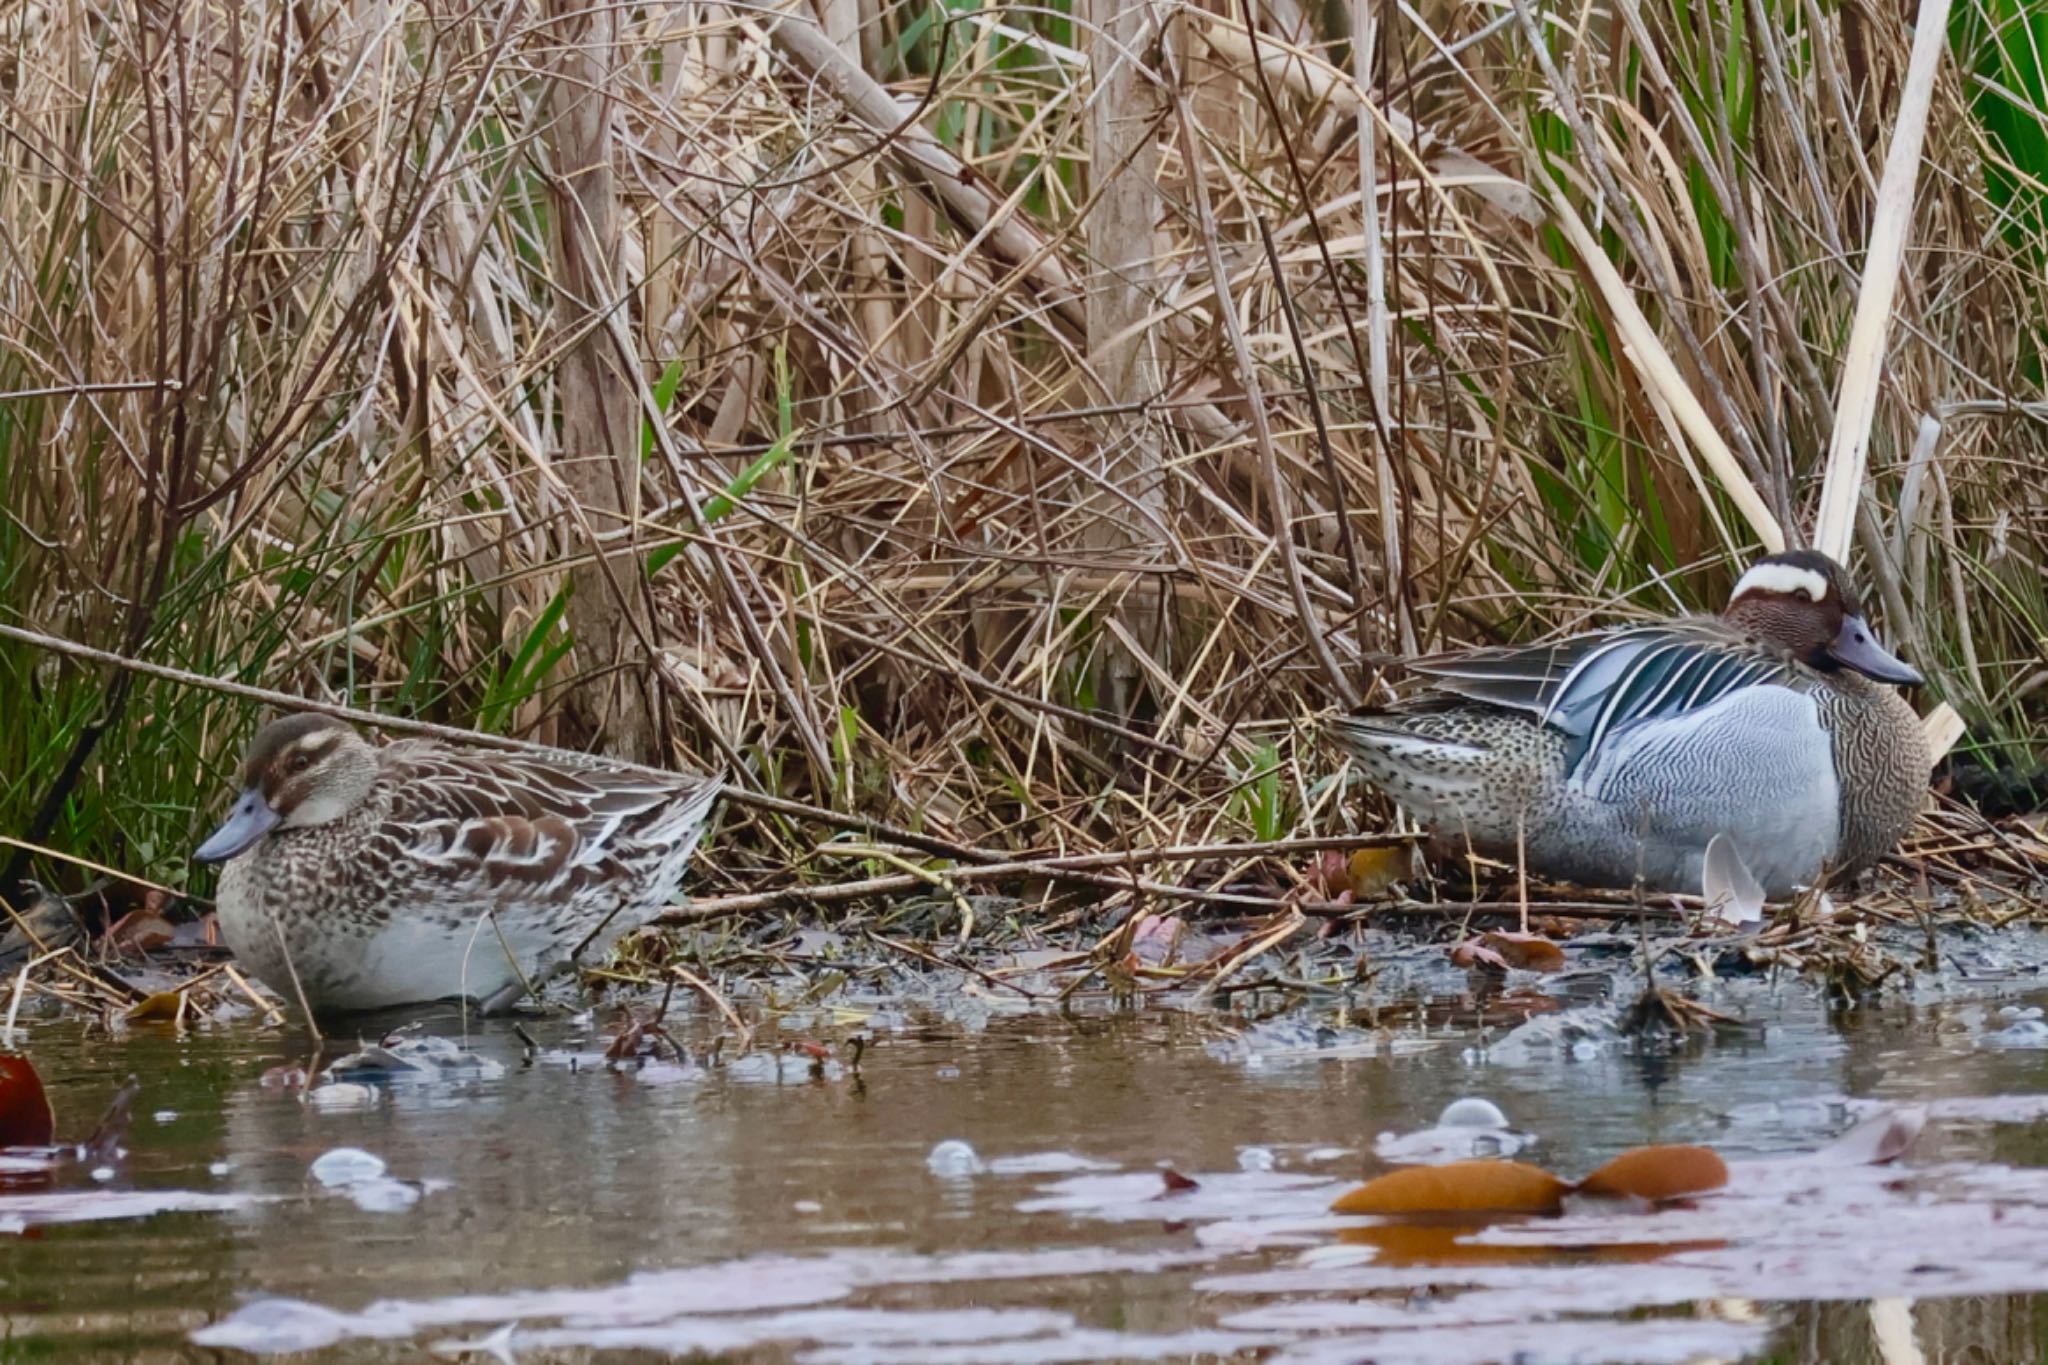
{"x": 1015, "y": 423}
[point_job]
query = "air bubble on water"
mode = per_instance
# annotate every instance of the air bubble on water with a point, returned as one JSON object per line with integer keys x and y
{"x": 953, "y": 1160}
{"x": 382, "y": 1194}
{"x": 1472, "y": 1112}
{"x": 345, "y": 1166}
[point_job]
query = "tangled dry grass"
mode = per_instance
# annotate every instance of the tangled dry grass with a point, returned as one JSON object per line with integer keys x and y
{"x": 1008, "y": 422}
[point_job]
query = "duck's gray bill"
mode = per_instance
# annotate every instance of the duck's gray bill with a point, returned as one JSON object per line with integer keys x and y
{"x": 250, "y": 820}
{"x": 1856, "y": 647}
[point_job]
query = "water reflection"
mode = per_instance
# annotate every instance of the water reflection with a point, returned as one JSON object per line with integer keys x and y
{"x": 563, "y": 1179}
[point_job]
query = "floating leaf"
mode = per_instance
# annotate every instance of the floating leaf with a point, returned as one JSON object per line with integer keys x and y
{"x": 1439, "y": 1243}
{"x": 1458, "y": 1187}
{"x": 1530, "y": 952}
{"x": 1176, "y": 1183}
{"x": 1449, "y": 1243}
{"x": 1656, "y": 1174}
{"x": 25, "y": 1116}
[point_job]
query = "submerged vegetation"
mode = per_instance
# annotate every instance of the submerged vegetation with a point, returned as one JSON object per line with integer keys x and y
{"x": 1005, "y": 423}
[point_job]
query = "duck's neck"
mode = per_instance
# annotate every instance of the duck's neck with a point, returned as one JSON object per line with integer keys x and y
{"x": 1881, "y": 761}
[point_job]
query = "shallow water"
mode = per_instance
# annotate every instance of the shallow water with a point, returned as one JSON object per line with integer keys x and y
{"x": 762, "y": 1212}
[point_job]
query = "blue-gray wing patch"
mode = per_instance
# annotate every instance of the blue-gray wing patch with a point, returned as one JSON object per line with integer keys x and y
{"x": 1592, "y": 686}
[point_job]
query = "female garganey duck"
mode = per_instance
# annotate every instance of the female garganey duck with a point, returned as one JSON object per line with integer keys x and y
{"x": 1616, "y": 756}
{"x": 416, "y": 871}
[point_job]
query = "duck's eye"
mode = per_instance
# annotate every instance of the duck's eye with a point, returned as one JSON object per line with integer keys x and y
{"x": 300, "y": 762}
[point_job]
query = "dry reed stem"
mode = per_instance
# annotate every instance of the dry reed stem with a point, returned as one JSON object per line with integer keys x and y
{"x": 291, "y": 359}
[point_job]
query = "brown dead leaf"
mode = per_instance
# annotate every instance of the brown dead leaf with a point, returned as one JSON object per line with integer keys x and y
{"x": 1560, "y": 926}
{"x": 1530, "y": 952}
{"x": 1656, "y": 1174}
{"x": 1176, "y": 1183}
{"x": 139, "y": 931}
{"x": 1458, "y": 1187}
{"x": 1473, "y": 952}
{"x": 26, "y": 1119}
{"x": 1331, "y": 874}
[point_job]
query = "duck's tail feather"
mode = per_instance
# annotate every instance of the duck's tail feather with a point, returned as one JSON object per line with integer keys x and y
{"x": 1417, "y": 758}
{"x": 681, "y": 824}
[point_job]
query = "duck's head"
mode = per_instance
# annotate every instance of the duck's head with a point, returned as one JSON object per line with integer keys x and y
{"x": 299, "y": 771}
{"x": 1804, "y": 602}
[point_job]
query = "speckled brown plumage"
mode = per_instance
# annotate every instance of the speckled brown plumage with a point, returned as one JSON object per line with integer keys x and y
{"x": 417, "y": 870}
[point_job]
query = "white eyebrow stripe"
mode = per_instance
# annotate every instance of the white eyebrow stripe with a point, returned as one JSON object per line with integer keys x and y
{"x": 315, "y": 746}
{"x": 1782, "y": 578}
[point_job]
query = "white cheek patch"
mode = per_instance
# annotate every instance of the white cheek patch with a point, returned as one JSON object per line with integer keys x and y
{"x": 318, "y": 809}
{"x": 1784, "y": 579}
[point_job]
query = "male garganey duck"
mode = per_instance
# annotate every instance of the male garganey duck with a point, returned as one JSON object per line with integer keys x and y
{"x": 381, "y": 876}
{"x": 1616, "y": 756}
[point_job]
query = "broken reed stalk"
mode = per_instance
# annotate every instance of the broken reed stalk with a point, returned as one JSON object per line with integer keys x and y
{"x": 1089, "y": 869}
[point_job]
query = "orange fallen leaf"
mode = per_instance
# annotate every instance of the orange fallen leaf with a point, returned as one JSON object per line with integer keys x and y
{"x": 1458, "y": 1187}
{"x": 1443, "y": 1242}
{"x": 26, "y": 1119}
{"x": 1656, "y": 1174}
{"x": 1439, "y": 1242}
{"x": 1530, "y": 952}
{"x": 1373, "y": 871}
{"x": 1176, "y": 1183}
